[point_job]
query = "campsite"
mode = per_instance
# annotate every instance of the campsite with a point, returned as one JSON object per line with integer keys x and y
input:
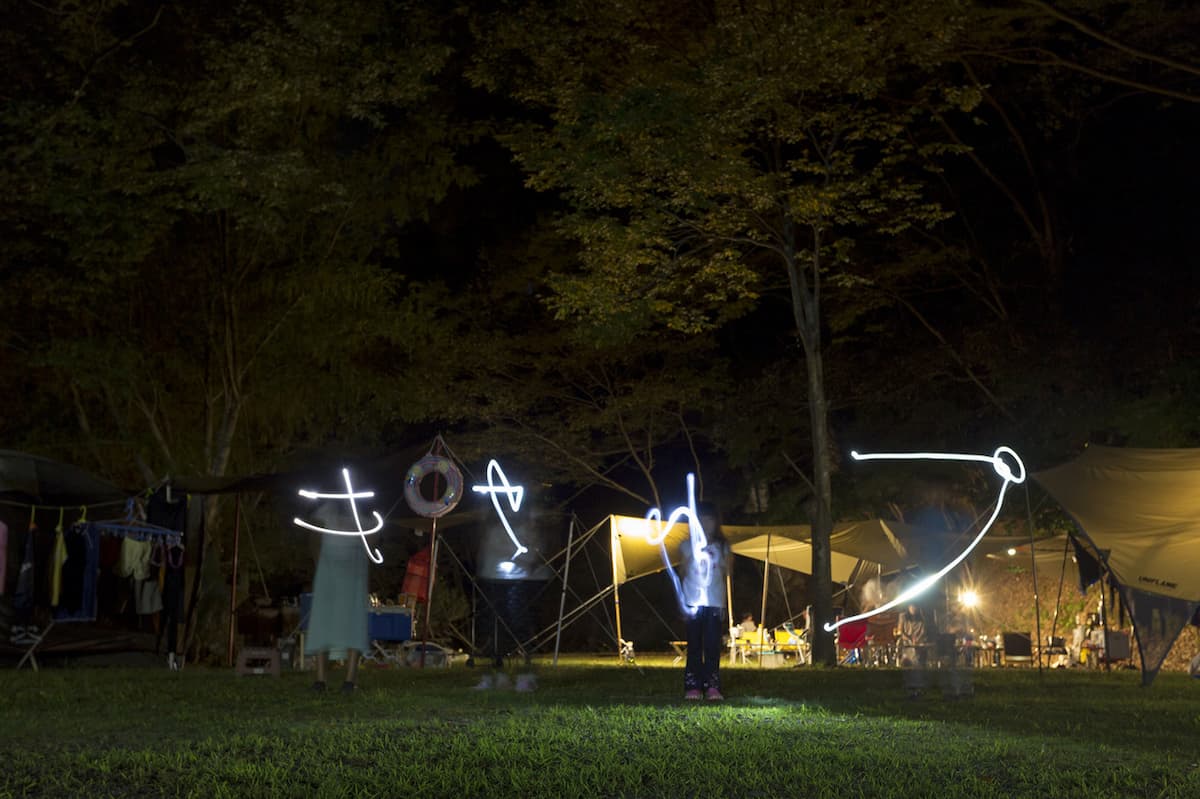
{"x": 599, "y": 398}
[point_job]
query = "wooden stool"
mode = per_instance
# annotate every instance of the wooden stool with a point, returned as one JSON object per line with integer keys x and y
{"x": 266, "y": 658}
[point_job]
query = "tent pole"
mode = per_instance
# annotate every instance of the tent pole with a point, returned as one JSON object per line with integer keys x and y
{"x": 762, "y": 614}
{"x": 729, "y": 597}
{"x": 615, "y": 545}
{"x": 433, "y": 551}
{"x": 1104, "y": 587}
{"x": 1037, "y": 608}
{"x": 562, "y": 599}
{"x": 237, "y": 528}
{"x": 1062, "y": 576}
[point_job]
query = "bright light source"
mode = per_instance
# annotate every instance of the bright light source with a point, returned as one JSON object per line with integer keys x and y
{"x": 1002, "y": 469}
{"x": 1011, "y": 552}
{"x": 969, "y": 599}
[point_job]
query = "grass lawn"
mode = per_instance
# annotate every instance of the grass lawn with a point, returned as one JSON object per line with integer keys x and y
{"x": 594, "y": 728}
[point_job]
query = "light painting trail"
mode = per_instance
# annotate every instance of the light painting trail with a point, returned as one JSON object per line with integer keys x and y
{"x": 1002, "y": 468}
{"x": 350, "y": 496}
{"x": 514, "y": 494}
{"x": 656, "y": 533}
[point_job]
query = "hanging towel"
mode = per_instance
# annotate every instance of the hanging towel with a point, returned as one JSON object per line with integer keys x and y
{"x": 56, "y": 566}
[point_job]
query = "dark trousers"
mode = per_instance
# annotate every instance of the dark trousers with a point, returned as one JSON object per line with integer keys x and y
{"x": 704, "y": 645}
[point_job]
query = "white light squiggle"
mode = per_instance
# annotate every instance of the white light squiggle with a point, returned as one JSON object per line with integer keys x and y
{"x": 350, "y": 496}
{"x": 1002, "y": 468}
{"x": 657, "y": 533}
{"x": 514, "y": 493}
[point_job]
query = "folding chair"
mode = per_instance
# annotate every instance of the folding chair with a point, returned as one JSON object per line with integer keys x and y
{"x": 1018, "y": 648}
{"x": 1055, "y": 651}
{"x": 34, "y": 642}
{"x": 853, "y": 640}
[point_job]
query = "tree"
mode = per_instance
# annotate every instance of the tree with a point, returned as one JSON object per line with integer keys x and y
{"x": 204, "y": 202}
{"x": 703, "y": 158}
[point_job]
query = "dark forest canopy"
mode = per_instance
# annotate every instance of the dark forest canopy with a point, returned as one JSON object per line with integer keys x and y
{"x": 236, "y": 235}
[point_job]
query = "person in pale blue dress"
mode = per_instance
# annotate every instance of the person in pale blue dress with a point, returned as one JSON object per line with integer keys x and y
{"x": 337, "y": 624}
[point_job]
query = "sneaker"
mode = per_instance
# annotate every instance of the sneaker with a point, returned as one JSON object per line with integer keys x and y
{"x": 526, "y": 683}
{"x": 713, "y": 695}
{"x": 485, "y": 683}
{"x": 319, "y": 686}
{"x": 693, "y": 695}
{"x": 348, "y": 687}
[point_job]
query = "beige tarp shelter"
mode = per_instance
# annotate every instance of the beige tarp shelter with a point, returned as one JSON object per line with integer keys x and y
{"x": 875, "y": 542}
{"x": 1139, "y": 510}
{"x": 872, "y": 546}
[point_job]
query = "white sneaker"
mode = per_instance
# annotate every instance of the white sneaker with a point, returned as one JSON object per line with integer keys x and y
{"x": 485, "y": 683}
{"x": 526, "y": 683}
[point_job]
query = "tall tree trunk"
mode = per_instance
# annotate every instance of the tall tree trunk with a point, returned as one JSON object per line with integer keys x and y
{"x": 804, "y": 282}
{"x": 824, "y": 650}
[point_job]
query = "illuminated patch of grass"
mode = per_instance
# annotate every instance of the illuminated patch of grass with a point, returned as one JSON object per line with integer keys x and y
{"x": 596, "y": 730}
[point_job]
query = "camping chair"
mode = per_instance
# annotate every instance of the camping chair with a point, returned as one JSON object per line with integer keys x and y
{"x": 852, "y": 640}
{"x": 1116, "y": 647}
{"x": 1055, "y": 651}
{"x": 787, "y": 641}
{"x": 1018, "y": 648}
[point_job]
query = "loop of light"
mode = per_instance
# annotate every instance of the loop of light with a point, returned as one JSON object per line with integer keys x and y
{"x": 350, "y": 496}
{"x": 514, "y": 495}
{"x": 656, "y": 534}
{"x": 1002, "y": 469}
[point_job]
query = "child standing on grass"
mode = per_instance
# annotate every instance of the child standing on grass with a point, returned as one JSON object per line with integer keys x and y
{"x": 703, "y": 585}
{"x": 337, "y": 625}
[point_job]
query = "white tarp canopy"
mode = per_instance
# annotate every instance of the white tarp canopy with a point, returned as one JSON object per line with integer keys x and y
{"x": 875, "y": 542}
{"x": 1141, "y": 510}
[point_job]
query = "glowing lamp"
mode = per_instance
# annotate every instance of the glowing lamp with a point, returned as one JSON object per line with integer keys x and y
{"x": 1011, "y": 552}
{"x": 350, "y": 496}
{"x": 1001, "y": 467}
{"x": 969, "y": 599}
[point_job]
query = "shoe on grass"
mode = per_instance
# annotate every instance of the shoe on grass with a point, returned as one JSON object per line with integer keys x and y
{"x": 693, "y": 695}
{"x": 348, "y": 687}
{"x": 713, "y": 695}
{"x": 319, "y": 686}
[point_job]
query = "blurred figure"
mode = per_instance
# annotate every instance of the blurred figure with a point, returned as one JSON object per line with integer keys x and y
{"x": 704, "y": 595}
{"x": 337, "y": 625}
{"x": 913, "y": 638}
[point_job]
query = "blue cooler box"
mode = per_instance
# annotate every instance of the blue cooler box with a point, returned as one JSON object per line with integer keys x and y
{"x": 389, "y": 624}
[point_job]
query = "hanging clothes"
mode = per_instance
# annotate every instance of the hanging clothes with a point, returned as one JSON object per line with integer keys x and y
{"x": 57, "y": 558}
{"x": 23, "y": 595}
{"x": 80, "y": 575}
{"x": 135, "y": 559}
